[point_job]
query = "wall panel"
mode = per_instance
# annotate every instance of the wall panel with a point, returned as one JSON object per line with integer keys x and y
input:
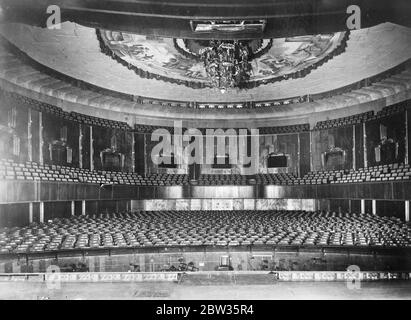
{"x": 325, "y": 144}
{"x": 359, "y": 146}
{"x": 387, "y": 135}
{"x": 279, "y": 144}
{"x": 304, "y": 153}
{"x": 355, "y": 206}
{"x": 25, "y": 191}
{"x": 14, "y": 215}
{"x": 60, "y": 209}
{"x": 391, "y": 209}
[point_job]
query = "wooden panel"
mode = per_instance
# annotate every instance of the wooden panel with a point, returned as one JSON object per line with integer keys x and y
{"x": 25, "y": 191}
{"x": 60, "y": 209}
{"x": 395, "y": 130}
{"x": 391, "y": 209}
{"x": 48, "y": 191}
{"x": 86, "y": 146}
{"x": 339, "y": 205}
{"x": 140, "y": 151}
{"x": 14, "y": 215}
{"x": 356, "y": 206}
{"x": 106, "y": 192}
{"x": 125, "y": 192}
{"x": 368, "y": 206}
{"x": 359, "y": 146}
{"x": 407, "y": 190}
{"x": 304, "y": 153}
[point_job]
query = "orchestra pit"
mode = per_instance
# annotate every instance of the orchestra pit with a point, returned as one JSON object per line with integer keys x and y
{"x": 200, "y": 151}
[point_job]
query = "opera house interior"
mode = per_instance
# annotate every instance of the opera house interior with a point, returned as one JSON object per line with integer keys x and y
{"x": 196, "y": 137}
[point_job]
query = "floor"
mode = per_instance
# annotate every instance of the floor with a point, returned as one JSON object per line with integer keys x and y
{"x": 397, "y": 289}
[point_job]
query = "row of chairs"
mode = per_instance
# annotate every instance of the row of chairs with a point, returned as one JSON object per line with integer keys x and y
{"x": 346, "y": 121}
{"x": 285, "y": 129}
{"x": 70, "y": 116}
{"x": 222, "y": 179}
{"x": 388, "y": 111}
{"x": 10, "y": 170}
{"x": 275, "y": 178}
{"x": 363, "y": 117}
{"x": 389, "y": 172}
{"x": 212, "y": 228}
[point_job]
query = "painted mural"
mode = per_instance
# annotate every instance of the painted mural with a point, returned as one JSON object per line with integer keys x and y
{"x": 166, "y": 58}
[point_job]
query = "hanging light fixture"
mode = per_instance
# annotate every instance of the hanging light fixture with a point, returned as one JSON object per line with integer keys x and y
{"x": 227, "y": 64}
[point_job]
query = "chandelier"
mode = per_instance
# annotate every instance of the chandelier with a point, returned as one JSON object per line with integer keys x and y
{"x": 226, "y": 64}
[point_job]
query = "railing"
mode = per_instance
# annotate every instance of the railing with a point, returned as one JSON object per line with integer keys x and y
{"x": 218, "y": 277}
{"x": 112, "y": 251}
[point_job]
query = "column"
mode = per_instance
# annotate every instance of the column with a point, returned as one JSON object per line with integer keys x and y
{"x": 91, "y": 149}
{"x": 31, "y": 212}
{"x": 133, "y": 152}
{"x": 29, "y": 137}
{"x": 365, "y": 146}
{"x": 41, "y": 212}
{"x": 41, "y": 160}
{"x": 311, "y": 151}
{"x": 146, "y": 168}
{"x": 374, "y": 207}
{"x": 362, "y": 206}
{"x": 407, "y": 211}
{"x": 298, "y": 156}
{"x": 354, "y": 162}
{"x": 406, "y": 139}
{"x": 80, "y": 147}
{"x": 73, "y": 208}
{"x": 318, "y": 206}
{"x": 83, "y": 207}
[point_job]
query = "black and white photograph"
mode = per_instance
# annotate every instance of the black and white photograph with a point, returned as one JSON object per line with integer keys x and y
{"x": 213, "y": 151}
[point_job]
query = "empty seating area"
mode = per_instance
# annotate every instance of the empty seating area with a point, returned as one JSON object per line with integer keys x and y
{"x": 94, "y": 121}
{"x": 388, "y": 111}
{"x": 140, "y": 128}
{"x": 360, "y": 118}
{"x": 70, "y": 116}
{"x": 167, "y": 179}
{"x": 10, "y": 170}
{"x": 208, "y": 228}
{"x": 391, "y": 172}
{"x": 151, "y": 180}
{"x": 275, "y": 178}
{"x": 222, "y": 179}
{"x": 31, "y": 171}
{"x": 346, "y": 121}
{"x": 285, "y": 129}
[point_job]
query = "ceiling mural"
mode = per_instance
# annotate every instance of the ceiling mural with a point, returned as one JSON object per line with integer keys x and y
{"x": 179, "y": 61}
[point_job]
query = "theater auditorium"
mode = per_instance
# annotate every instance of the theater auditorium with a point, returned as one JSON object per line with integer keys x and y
{"x": 214, "y": 143}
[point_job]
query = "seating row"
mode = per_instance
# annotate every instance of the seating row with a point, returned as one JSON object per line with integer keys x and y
{"x": 212, "y": 228}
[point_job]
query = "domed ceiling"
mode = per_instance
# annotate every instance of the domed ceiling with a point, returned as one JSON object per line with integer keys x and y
{"x": 179, "y": 61}
{"x": 110, "y": 61}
